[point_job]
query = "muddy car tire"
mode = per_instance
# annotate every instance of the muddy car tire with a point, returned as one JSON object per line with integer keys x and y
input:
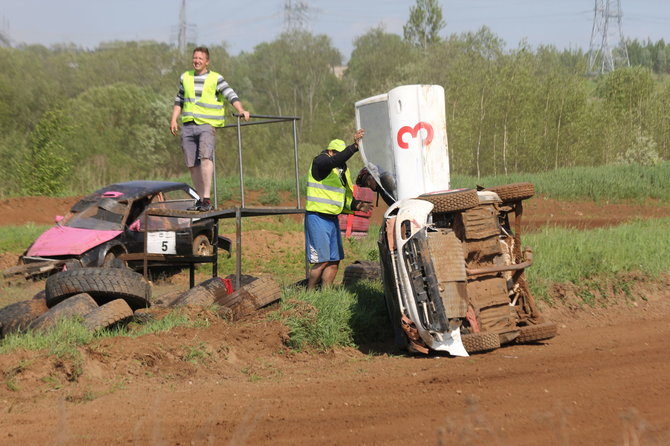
{"x": 260, "y": 293}
{"x": 103, "y": 284}
{"x": 107, "y": 315}
{"x": 203, "y": 294}
{"x": 452, "y": 201}
{"x": 202, "y": 246}
{"x": 361, "y": 270}
{"x": 480, "y": 342}
{"x": 77, "y": 305}
{"x": 535, "y": 333}
{"x": 17, "y": 317}
{"x": 513, "y": 192}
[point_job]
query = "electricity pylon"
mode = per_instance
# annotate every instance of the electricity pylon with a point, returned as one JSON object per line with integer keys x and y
{"x": 181, "y": 34}
{"x": 296, "y": 15}
{"x": 603, "y": 55}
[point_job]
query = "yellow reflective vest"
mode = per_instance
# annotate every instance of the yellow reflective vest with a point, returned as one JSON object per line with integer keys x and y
{"x": 208, "y": 109}
{"x": 329, "y": 196}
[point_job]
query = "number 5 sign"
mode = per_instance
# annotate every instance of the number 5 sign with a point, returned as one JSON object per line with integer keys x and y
{"x": 161, "y": 242}
{"x": 414, "y": 132}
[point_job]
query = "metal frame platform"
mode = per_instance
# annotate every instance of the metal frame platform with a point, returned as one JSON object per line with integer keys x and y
{"x": 235, "y": 212}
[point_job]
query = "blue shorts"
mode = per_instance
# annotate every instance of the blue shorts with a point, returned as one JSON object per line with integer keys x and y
{"x": 323, "y": 239}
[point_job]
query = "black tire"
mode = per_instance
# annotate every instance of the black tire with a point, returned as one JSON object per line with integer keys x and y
{"x": 17, "y": 317}
{"x": 202, "y": 246}
{"x": 480, "y": 342}
{"x": 452, "y": 201}
{"x": 249, "y": 298}
{"x": 535, "y": 333}
{"x": 245, "y": 279}
{"x": 77, "y": 305}
{"x": 72, "y": 264}
{"x": 513, "y": 192}
{"x": 112, "y": 260}
{"x": 107, "y": 314}
{"x": 103, "y": 284}
{"x": 361, "y": 270}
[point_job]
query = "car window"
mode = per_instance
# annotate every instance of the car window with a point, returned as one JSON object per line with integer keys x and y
{"x": 377, "y": 147}
{"x": 104, "y": 214}
{"x": 161, "y": 223}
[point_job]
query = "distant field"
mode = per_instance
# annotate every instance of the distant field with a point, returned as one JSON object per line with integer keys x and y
{"x": 605, "y": 183}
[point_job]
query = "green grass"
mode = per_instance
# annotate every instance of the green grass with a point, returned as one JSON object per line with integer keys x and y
{"x": 18, "y": 238}
{"x": 334, "y": 317}
{"x": 64, "y": 339}
{"x": 612, "y": 183}
{"x": 599, "y": 258}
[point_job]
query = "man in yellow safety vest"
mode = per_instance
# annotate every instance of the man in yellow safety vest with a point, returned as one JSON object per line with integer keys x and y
{"x": 200, "y": 103}
{"x": 329, "y": 193}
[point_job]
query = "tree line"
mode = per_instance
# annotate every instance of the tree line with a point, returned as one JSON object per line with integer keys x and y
{"x": 74, "y": 119}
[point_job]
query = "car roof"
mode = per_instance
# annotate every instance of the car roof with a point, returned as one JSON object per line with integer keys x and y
{"x": 141, "y": 188}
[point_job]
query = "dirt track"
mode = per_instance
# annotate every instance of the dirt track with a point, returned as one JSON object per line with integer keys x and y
{"x": 603, "y": 380}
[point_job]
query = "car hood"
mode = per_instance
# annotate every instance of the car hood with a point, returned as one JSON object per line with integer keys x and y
{"x": 62, "y": 240}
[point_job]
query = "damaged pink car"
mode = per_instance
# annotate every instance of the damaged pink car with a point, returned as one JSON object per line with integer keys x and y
{"x": 103, "y": 226}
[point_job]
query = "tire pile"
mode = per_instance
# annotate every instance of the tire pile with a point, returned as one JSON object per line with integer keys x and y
{"x": 103, "y": 297}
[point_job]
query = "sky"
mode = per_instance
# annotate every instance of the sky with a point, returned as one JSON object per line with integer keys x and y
{"x": 244, "y": 24}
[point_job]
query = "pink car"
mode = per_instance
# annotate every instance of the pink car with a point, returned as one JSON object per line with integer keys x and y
{"x": 108, "y": 223}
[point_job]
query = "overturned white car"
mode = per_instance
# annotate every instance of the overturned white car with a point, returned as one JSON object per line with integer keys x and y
{"x": 452, "y": 262}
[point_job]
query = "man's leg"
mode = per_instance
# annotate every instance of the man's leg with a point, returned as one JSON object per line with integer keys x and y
{"x": 329, "y": 273}
{"x": 206, "y": 172}
{"x": 315, "y": 275}
{"x": 196, "y": 177}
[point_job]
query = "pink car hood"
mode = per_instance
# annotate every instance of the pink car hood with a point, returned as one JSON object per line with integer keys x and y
{"x": 62, "y": 240}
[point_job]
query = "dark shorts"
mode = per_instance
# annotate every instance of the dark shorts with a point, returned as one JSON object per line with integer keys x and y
{"x": 197, "y": 142}
{"x": 323, "y": 239}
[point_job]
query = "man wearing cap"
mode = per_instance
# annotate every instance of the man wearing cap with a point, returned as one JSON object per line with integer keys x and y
{"x": 329, "y": 193}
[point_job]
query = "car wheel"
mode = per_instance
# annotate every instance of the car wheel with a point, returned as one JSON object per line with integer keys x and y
{"x": 452, "y": 201}
{"x": 260, "y": 293}
{"x": 112, "y": 260}
{"x": 78, "y": 305}
{"x": 17, "y": 316}
{"x": 513, "y": 192}
{"x": 103, "y": 284}
{"x": 107, "y": 314}
{"x": 534, "y": 333}
{"x": 480, "y": 342}
{"x": 361, "y": 270}
{"x": 202, "y": 246}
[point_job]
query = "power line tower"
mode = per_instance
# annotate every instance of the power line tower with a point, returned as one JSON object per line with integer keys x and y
{"x": 296, "y": 15}
{"x": 5, "y": 40}
{"x": 181, "y": 34}
{"x": 603, "y": 56}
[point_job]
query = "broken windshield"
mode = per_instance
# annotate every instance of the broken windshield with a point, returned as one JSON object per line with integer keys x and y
{"x": 106, "y": 214}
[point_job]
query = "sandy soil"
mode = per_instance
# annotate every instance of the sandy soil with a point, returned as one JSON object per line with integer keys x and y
{"x": 603, "y": 380}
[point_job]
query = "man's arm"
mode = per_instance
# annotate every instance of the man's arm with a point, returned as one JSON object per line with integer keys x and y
{"x": 323, "y": 163}
{"x": 174, "y": 127}
{"x": 178, "y": 104}
{"x": 240, "y": 109}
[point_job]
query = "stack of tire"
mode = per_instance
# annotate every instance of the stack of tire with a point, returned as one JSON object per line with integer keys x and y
{"x": 100, "y": 296}
{"x": 361, "y": 270}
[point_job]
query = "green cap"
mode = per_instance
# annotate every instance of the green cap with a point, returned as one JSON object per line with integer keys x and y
{"x": 337, "y": 145}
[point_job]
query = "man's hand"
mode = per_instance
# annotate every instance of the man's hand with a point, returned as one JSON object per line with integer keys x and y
{"x": 359, "y": 135}
{"x": 364, "y": 206}
{"x": 174, "y": 128}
